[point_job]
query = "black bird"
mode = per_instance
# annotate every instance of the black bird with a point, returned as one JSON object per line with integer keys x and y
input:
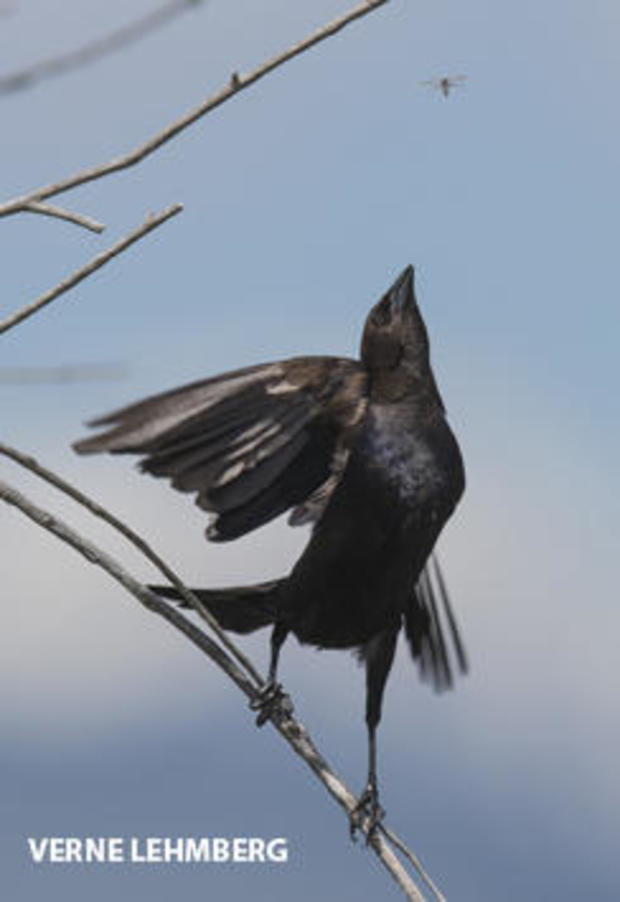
{"x": 362, "y": 450}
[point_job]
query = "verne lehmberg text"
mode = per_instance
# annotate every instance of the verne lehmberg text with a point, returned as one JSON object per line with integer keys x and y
{"x": 156, "y": 849}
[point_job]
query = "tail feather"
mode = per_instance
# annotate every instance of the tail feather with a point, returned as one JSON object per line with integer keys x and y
{"x": 427, "y": 633}
{"x": 241, "y": 609}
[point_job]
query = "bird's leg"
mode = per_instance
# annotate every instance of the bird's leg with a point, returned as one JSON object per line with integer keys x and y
{"x": 379, "y": 654}
{"x": 367, "y": 807}
{"x": 271, "y": 699}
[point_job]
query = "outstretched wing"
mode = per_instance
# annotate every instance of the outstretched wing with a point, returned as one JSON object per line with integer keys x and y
{"x": 251, "y": 443}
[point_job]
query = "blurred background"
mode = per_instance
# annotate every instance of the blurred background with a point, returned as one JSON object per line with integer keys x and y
{"x": 304, "y": 197}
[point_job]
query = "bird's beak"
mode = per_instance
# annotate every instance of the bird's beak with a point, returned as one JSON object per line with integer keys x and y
{"x": 401, "y": 295}
{"x": 398, "y": 301}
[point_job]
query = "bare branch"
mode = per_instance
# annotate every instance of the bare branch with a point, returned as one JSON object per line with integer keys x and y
{"x": 415, "y": 861}
{"x": 63, "y": 373}
{"x": 192, "y": 600}
{"x": 57, "y": 65}
{"x": 77, "y": 218}
{"x": 149, "y": 599}
{"x": 291, "y": 729}
{"x": 150, "y": 223}
{"x": 237, "y": 83}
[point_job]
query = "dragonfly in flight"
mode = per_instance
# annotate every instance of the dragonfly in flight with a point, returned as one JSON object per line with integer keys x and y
{"x": 446, "y": 83}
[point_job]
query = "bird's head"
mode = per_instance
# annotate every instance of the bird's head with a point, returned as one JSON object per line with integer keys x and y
{"x": 395, "y": 347}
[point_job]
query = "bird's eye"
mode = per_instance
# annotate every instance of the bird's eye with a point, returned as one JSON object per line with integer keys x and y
{"x": 382, "y": 314}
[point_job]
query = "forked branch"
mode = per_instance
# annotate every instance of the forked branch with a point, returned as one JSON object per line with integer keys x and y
{"x": 236, "y": 84}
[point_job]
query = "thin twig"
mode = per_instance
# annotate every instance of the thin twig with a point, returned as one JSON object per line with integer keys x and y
{"x": 148, "y": 598}
{"x": 413, "y": 858}
{"x": 293, "y": 731}
{"x": 115, "y": 40}
{"x": 86, "y": 222}
{"x": 190, "y": 597}
{"x": 237, "y": 83}
{"x": 63, "y": 373}
{"x": 150, "y": 223}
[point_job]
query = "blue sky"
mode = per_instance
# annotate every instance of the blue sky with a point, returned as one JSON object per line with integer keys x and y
{"x": 304, "y": 196}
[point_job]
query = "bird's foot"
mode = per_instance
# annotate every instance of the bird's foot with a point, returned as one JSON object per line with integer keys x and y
{"x": 271, "y": 701}
{"x": 368, "y": 813}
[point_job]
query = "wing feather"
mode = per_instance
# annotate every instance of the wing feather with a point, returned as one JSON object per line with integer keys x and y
{"x": 251, "y": 443}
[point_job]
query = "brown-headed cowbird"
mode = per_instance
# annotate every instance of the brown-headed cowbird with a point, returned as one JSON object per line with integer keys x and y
{"x": 360, "y": 449}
